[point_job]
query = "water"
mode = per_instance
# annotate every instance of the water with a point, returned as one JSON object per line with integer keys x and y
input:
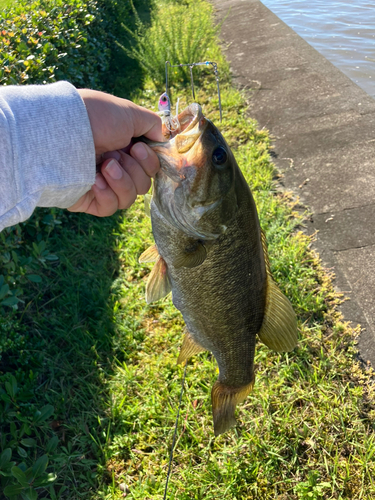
{"x": 343, "y": 31}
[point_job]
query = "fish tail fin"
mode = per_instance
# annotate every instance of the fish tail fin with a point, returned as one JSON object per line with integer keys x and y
{"x": 224, "y": 400}
{"x": 189, "y": 348}
{"x": 279, "y": 327}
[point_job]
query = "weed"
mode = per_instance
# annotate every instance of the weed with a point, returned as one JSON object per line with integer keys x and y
{"x": 179, "y": 33}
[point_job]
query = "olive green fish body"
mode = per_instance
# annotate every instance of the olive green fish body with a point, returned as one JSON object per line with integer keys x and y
{"x": 210, "y": 252}
{"x": 222, "y": 300}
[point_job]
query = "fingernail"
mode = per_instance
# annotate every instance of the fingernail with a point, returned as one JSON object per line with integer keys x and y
{"x": 139, "y": 151}
{"x": 100, "y": 182}
{"x": 114, "y": 170}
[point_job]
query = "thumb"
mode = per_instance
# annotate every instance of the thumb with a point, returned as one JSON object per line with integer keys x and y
{"x": 147, "y": 123}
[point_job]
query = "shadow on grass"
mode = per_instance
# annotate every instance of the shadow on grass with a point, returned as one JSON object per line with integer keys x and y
{"x": 65, "y": 334}
{"x": 126, "y": 76}
{"x": 72, "y": 318}
{"x": 66, "y": 358}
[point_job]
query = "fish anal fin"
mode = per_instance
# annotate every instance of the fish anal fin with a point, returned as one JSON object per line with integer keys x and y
{"x": 193, "y": 255}
{"x": 279, "y": 327}
{"x": 158, "y": 284}
{"x": 149, "y": 255}
{"x": 189, "y": 348}
{"x": 224, "y": 400}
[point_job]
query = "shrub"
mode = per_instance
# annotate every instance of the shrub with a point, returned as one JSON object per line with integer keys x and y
{"x": 184, "y": 34}
{"x": 49, "y": 40}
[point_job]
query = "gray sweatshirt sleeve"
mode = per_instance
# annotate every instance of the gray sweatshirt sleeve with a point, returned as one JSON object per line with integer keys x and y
{"x": 47, "y": 154}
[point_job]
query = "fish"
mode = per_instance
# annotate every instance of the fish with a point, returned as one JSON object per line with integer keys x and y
{"x": 211, "y": 253}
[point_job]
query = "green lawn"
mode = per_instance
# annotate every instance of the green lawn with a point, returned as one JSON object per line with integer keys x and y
{"x": 98, "y": 384}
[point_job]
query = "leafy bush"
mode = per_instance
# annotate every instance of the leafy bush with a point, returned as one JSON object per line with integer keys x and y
{"x": 184, "y": 34}
{"x": 49, "y": 40}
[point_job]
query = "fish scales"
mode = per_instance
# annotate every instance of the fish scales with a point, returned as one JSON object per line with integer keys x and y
{"x": 210, "y": 252}
{"x": 225, "y": 293}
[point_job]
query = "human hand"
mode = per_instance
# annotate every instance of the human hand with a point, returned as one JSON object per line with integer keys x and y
{"x": 125, "y": 171}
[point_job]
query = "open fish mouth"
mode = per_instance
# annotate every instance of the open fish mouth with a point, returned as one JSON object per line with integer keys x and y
{"x": 189, "y": 118}
{"x": 192, "y": 125}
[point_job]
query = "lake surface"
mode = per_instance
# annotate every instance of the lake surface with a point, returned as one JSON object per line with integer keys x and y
{"x": 343, "y": 31}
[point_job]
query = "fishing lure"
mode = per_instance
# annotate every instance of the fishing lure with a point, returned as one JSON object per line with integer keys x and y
{"x": 170, "y": 121}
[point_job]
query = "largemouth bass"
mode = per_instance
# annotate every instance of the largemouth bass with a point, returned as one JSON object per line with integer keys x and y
{"x": 211, "y": 253}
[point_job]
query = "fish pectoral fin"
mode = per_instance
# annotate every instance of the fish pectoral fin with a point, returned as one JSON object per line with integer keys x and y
{"x": 224, "y": 400}
{"x": 189, "y": 348}
{"x": 158, "y": 284}
{"x": 149, "y": 255}
{"x": 147, "y": 201}
{"x": 192, "y": 256}
{"x": 279, "y": 327}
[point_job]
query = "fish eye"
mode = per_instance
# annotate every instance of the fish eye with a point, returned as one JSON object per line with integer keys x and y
{"x": 219, "y": 156}
{"x": 164, "y": 99}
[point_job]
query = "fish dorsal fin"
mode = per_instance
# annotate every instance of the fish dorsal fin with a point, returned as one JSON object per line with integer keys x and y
{"x": 192, "y": 256}
{"x": 224, "y": 400}
{"x": 279, "y": 327}
{"x": 265, "y": 251}
{"x": 158, "y": 284}
{"x": 189, "y": 348}
{"x": 147, "y": 205}
{"x": 149, "y": 255}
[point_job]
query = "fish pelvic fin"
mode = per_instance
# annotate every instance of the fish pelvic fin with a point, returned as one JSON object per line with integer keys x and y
{"x": 279, "y": 327}
{"x": 158, "y": 284}
{"x": 193, "y": 256}
{"x": 189, "y": 348}
{"x": 149, "y": 255}
{"x": 224, "y": 400}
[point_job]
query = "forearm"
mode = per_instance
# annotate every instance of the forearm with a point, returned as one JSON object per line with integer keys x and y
{"x": 47, "y": 155}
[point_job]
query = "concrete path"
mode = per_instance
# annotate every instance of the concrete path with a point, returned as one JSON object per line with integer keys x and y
{"x": 324, "y": 137}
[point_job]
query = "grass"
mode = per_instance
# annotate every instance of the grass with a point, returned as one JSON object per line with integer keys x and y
{"x": 306, "y": 431}
{"x": 106, "y": 361}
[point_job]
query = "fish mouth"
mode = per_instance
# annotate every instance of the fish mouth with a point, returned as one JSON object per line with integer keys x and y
{"x": 192, "y": 125}
{"x": 189, "y": 118}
